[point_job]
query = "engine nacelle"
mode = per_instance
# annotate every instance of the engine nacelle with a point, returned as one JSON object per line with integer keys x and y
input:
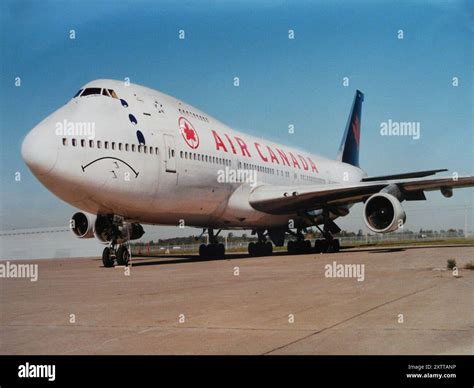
{"x": 82, "y": 224}
{"x": 383, "y": 213}
{"x": 107, "y": 226}
{"x": 132, "y": 231}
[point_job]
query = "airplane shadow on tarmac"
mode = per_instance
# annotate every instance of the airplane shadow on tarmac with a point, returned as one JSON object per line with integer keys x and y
{"x": 182, "y": 259}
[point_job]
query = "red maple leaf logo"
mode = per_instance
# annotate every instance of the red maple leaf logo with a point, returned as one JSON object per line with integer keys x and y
{"x": 355, "y": 130}
{"x": 190, "y": 133}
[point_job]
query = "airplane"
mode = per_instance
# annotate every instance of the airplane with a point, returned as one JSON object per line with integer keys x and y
{"x": 127, "y": 155}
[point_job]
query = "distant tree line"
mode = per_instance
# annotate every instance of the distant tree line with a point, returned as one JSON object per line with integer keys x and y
{"x": 245, "y": 238}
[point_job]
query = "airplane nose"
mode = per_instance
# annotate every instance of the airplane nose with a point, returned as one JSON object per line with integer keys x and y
{"x": 39, "y": 151}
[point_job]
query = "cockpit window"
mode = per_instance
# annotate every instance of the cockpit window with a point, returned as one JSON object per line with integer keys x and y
{"x": 90, "y": 91}
{"x": 96, "y": 91}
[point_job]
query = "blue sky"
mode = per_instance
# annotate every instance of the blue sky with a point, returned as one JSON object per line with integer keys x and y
{"x": 282, "y": 81}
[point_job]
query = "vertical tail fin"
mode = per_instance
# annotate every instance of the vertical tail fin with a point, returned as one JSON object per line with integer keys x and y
{"x": 349, "y": 148}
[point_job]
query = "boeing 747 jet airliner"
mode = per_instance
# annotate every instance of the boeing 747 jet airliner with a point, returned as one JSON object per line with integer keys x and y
{"x": 126, "y": 155}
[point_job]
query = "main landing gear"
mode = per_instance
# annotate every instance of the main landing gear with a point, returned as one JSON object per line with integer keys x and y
{"x": 262, "y": 247}
{"x": 214, "y": 248}
{"x": 300, "y": 245}
{"x": 328, "y": 244}
{"x": 116, "y": 252}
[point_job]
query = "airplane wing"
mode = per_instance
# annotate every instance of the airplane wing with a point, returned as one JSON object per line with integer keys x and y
{"x": 289, "y": 199}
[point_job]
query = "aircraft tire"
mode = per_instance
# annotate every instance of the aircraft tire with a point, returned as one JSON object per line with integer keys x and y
{"x": 268, "y": 248}
{"x": 203, "y": 250}
{"x": 253, "y": 250}
{"x": 123, "y": 256}
{"x": 107, "y": 259}
{"x": 220, "y": 250}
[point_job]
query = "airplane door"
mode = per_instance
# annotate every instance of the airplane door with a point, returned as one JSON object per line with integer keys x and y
{"x": 169, "y": 154}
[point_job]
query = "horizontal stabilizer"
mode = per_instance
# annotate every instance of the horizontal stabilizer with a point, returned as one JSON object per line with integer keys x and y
{"x": 417, "y": 174}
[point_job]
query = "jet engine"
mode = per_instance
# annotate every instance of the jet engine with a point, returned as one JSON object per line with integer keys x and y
{"x": 383, "y": 213}
{"x": 82, "y": 225}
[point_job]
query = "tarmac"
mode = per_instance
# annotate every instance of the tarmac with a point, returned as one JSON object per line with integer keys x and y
{"x": 406, "y": 302}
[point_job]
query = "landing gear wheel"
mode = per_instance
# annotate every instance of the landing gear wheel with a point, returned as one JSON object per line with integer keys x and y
{"x": 123, "y": 256}
{"x": 268, "y": 248}
{"x": 107, "y": 258}
{"x": 299, "y": 246}
{"x": 333, "y": 246}
{"x": 212, "y": 250}
{"x": 203, "y": 250}
{"x": 220, "y": 250}
{"x": 253, "y": 249}
{"x": 291, "y": 247}
{"x": 324, "y": 246}
{"x": 320, "y": 246}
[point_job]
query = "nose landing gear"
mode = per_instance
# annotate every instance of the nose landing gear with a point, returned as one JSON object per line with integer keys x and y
{"x": 111, "y": 254}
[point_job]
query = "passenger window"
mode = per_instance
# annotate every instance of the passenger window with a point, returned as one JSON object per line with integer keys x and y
{"x": 91, "y": 143}
{"x": 133, "y": 147}
{"x": 73, "y": 142}
{"x": 64, "y": 141}
{"x": 120, "y": 146}
{"x": 126, "y": 147}
{"x": 106, "y": 145}
{"x": 99, "y": 144}
{"x": 113, "y": 145}
{"x": 83, "y": 143}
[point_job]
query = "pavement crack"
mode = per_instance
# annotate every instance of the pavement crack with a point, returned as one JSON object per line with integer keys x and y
{"x": 348, "y": 319}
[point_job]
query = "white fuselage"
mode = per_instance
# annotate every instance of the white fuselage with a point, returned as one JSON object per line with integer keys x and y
{"x": 182, "y": 174}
